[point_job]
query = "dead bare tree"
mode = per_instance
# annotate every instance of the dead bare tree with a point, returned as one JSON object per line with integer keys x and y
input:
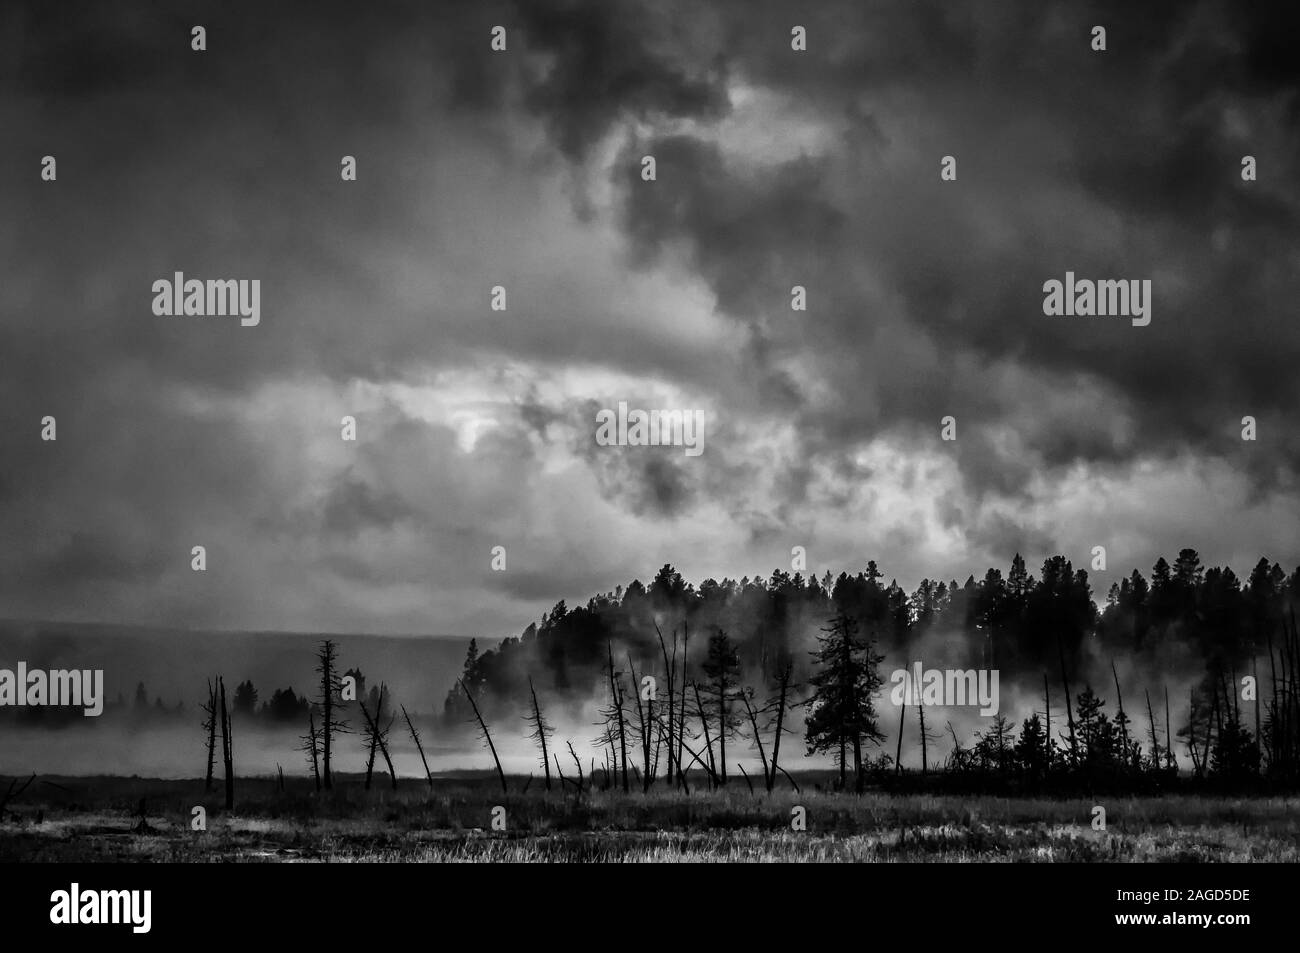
{"x": 1121, "y": 719}
{"x": 311, "y": 745}
{"x": 703, "y": 715}
{"x": 487, "y": 735}
{"x": 559, "y": 773}
{"x": 377, "y": 735}
{"x": 671, "y": 668}
{"x": 371, "y": 735}
{"x": 574, "y": 755}
{"x": 415, "y": 736}
{"x": 926, "y": 737}
{"x": 644, "y": 717}
{"x": 678, "y": 774}
{"x": 227, "y": 746}
{"x": 330, "y": 687}
{"x": 1155, "y": 740}
{"x": 210, "y": 729}
{"x": 608, "y": 746}
{"x": 775, "y": 709}
{"x": 616, "y": 695}
{"x": 541, "y": 732}
{"x": 745, "y": 696}
{"x": 1069, "y": 711}
{"x": 681, "y": 707}
{"x": 898, "y": 752}
{"x": 1047, "y": 724}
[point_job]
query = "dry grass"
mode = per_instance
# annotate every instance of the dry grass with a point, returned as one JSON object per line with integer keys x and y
{"x": 92, "y": 820}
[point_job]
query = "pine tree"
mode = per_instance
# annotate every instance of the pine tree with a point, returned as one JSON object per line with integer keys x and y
{"x": 841, "y": 711}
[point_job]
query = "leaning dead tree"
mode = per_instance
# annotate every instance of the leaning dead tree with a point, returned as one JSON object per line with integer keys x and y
{"x": 703, "y": 715}
{"x": 487, "y": 735}
{"x": 574, "y": 755}
{"x": 227, "y": 746}
{"x": 541, "y": 731}
{"x": 415, "y": 736}
{"x": 210, "y": 729}
{"x": 376, "y": 735}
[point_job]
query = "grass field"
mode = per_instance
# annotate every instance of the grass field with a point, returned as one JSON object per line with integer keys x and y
{"x": 97, "y": 819}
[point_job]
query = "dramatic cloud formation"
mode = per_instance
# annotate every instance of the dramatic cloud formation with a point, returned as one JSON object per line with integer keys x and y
{"x": 522, "y": 169}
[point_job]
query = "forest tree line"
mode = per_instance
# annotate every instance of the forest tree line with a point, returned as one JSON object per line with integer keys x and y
{"x": 736, "y": 659}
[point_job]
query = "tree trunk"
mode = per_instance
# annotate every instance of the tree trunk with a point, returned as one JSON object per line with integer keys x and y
{"x": 898, "y": 751}
{"x": 780, "y": 720}
{"x": 1069, "y": 711}
{"x": 541, "y": 734}
{"x": 925, "y": 754}
{"x": 617, "y": 692}
{"x": 487, "y": 735}
{"x": 227, "y": 748}
{"x": 415, "y": 736}
{"x": 722, "y": 727}
{"x": 212, "y": 736}
{"x": 1047, "y": 725}
{"x": 315, "y": 747}
{"x": 671, "y": 669}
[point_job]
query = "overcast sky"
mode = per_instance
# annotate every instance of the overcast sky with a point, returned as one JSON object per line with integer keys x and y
{"x": 522, "y": 169}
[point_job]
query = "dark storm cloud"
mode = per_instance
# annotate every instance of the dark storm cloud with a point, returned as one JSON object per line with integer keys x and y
{"x": 924, "y": 297}
{"x": 607, "y": 59}
{"x": 1108, "y": 165}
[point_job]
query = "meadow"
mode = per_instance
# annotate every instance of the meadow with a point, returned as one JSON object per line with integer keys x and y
{"x": 452, "y": 820}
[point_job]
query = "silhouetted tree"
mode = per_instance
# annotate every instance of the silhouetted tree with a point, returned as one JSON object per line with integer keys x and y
{"x": 722, "y": 674}
{"x": 841, "y": 711}
{"x": 330, "y": 725}
{"x": 541, "y": 731}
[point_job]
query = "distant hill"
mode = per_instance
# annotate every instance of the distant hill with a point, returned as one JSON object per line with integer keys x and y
{"x": 174, "y": 664}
